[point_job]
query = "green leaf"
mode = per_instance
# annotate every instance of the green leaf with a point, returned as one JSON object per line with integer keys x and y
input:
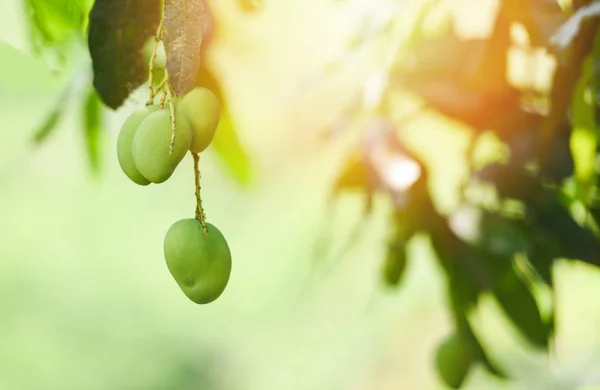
{"x": 573, "y": 240}
{"x": 521, "y": 307}
{"x": 510, "y": 181}
{"x": 49, "y": 125}
{"x": 467, "y": 276}
{"x": 463, "y": 295}
{"x": 541, "y": 256}
{"x": 583, "y": 138}
{"x": 226, "y": 143}
{"x": 503, "y": 236}
{"x": 183, "y": 26}
{"x": 92, "y": 125}
{"x": 63, "y": 102}
{"x": 227, "y": 146}
{"x": 118, "y": 31}
{"x": 55, "y": 20}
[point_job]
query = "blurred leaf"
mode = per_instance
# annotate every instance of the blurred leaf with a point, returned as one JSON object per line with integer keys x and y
{"x": 541, "y": 255}
{"x": 395, "y": 264}
{"x": 489, "y": 74}
{"x": 354, "y": 175}
{"x": 230, "y": 150}
{"x": 469, "y": 85}
{"x": 118, "y": 32}
{"x": 520, "y": 306}
{"x": 464, "y": 293}
{"x": 560, "y": 163}
{"x": 53, "y": 21}
{"x": 583, "y": 138}
{"x": 183, "y": 25}
{"x": 510, "y": 182}
{"x": 467, "y": 277}
{"x": 574, "y": 241}
{"x": 49, "y": 124}
{"x": 595, "y": 213}
{"x": 63, "y": 102}
{"x": 460, "y": 56}
{"x": 596, "y": 71}
{"x": 92, "y": 121}
{"x": 503, "y": 236}
{"x": 226, "y": 142}
{"x": 566, "y": 34}
{"x": 250, "y": 5}
{"x": 541, "y": 18}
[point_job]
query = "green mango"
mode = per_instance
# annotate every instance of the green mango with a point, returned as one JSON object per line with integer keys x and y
{"x": 202, "y": 110}
{"x": 151, "y": 142}
{"x": 125, "y": 141}
{"x": 453, "y": 359}
{"x": 200, "y": 263}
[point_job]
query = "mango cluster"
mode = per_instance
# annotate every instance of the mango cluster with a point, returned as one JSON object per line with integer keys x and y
{"x": 196, "y": 253}
{"x": 143, "y": 145}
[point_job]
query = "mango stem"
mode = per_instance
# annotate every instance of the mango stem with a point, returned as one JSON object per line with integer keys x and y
{"x": 200, "y": 216}
{"x": 157, "y": 39}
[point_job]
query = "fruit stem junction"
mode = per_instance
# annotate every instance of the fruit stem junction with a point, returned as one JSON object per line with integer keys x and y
{"x": 200, "y": 216}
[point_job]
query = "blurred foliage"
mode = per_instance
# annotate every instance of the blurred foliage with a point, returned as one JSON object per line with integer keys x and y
{"x": 546, "y": 203}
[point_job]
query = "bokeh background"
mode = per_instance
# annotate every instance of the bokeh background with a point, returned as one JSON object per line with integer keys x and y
{"x": 86, "y": 300}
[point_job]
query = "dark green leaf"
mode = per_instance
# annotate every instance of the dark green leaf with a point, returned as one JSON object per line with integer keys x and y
{"x": 510, "y": 181}
{"x": 460, "y": 313}
{"x": 92, "y": 125}
{"x": 521, "y": 307}
{"x": 503, "y": 236}
{"x": 560, "y": 164}
{"x": 467, "y": 277}
{"x": 574, "y": 241}
{"x": 541, "y": 256}
{"x": 183, "y": 26}
{"x": 118, "y": 31}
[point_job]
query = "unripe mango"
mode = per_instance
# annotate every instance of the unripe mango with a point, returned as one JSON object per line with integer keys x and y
{"x": 125, "y": 141}
{"x": 200, "y": 263}
{"x": 453, "y": 360}
{"x": 151, "y": 143}
{"x": 202, "y": 110}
